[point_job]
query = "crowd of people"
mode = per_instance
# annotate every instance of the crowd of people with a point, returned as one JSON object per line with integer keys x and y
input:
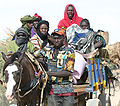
{"x": 65, "y": 50}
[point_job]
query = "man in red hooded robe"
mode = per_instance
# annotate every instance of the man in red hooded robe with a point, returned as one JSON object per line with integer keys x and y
{"x": 70, "y": 17}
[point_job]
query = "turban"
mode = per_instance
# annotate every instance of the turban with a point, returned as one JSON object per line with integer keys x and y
{"x": 27, "y": 19}
{"x": 40, "y": 23}
{"x": 38, "y": 17}
{"x": 21, "y": 30}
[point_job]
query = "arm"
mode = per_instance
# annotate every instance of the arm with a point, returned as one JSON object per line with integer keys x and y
{"x": 60, "y": 24}
{"x": 60, "y": 74}
{"x": 89, "y": 55}
{"x": 99, "y": 42}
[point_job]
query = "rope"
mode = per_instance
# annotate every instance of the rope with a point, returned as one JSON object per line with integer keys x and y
{"x": 45, "y": 82}
{"x": 40, "y": 67}
{"x": 18, "y": 90}
{"x": 21, "y": 96}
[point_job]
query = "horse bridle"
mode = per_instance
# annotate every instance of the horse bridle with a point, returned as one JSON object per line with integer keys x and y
{"x": 36, "y": 84}
{"x": 18, "y": 90}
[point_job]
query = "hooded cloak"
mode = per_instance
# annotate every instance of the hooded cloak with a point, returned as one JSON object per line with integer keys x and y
{"x": 66, "y": 22}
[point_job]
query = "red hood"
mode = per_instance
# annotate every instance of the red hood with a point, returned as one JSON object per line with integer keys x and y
{"x": 66, "y": 16}
{"x": 66, "y": 22}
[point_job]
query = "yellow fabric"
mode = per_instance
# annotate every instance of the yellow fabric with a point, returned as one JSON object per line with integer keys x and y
{"x": 69, "y": 65}
{"x": 72, "y": 56}
{"x": 60, "y": 63}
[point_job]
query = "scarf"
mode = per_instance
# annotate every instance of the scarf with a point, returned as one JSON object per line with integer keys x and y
{"x": 27, "y": 29}
{"x": 44, "y": 37}
{"x": 22, "y": 41}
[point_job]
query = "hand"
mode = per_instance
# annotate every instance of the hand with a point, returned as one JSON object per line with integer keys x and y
{"x": 98, "y": 44}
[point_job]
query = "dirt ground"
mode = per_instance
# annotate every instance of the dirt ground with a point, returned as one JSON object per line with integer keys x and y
{"x": 115, "y": 96}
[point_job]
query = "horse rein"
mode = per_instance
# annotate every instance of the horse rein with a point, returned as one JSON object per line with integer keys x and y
{"x": 40, "y": 67}
{"x": 38, "y": 82}
{"x": 18, "y": 88}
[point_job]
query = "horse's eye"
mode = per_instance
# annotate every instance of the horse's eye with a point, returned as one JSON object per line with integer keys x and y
{"x": 16, "y": 76}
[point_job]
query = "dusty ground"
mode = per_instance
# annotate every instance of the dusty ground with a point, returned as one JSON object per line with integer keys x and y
{"x": 114, "y": 98}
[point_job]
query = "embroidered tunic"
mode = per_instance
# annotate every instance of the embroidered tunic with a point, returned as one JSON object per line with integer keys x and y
{"x": 58, "y": 61}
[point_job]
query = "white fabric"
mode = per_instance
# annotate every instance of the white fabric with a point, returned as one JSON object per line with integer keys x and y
{"x": 79, "y": 66}
{"x": 70, "y": 32}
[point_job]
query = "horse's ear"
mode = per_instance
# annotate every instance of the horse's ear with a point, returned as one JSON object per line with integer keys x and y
{"x": 4, "y": 56}
{"x": 21, "y": 57}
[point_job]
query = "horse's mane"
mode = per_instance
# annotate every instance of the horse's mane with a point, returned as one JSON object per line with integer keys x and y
{"x": 11, "y": 59}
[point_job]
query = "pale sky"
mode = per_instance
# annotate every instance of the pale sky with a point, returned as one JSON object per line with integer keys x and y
{"x": 102, "y": 14}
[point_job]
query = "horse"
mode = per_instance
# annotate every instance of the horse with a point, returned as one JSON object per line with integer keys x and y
{"x": 21, "y": 80}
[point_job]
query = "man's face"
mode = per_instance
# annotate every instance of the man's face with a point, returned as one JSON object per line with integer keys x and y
{"x": 21, "y": 38}
{"x": 84, "y": 25}
{"x": 43, "y": 28}
{"x": 58, "y": 41}
{"x": 35, "y": 23}
{"x": 30, "y": 24}
{"x": 70, "y": 12}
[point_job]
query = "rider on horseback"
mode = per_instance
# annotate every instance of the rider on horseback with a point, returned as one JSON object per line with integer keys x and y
{"x": 21, "y": 43}
{"x": 40, "y": 39}
{"x": 35, "y": 23}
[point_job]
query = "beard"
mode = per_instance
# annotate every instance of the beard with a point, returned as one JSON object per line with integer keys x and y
{"x": 43, "y": 36}
{"x": 70, "y": 16}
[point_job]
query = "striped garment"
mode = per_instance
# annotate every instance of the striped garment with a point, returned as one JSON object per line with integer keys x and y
{"x": 36, "y": 40}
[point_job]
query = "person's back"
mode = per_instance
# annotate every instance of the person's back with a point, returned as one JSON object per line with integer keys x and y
{"x": 70, "y": 17}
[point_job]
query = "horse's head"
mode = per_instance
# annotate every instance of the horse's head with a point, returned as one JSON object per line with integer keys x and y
{"x": 20, "y": 77}
{"x": 12, "y": 71}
